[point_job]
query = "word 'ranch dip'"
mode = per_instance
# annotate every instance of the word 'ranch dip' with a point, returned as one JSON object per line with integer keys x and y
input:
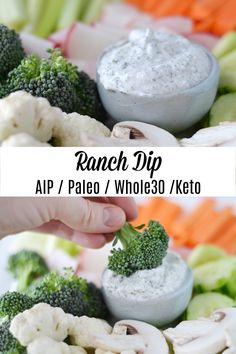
{"x": 153, "y": 63}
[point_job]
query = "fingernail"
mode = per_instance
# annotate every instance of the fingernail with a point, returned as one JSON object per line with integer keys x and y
{"x": 113, "y": 217}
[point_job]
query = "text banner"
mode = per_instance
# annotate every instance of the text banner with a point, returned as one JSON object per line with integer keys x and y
{"x": 117, "y": 171}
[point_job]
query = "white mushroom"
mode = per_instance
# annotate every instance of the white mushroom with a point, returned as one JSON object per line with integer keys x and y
{"x": 203, "y": 336}
{"x": 231, "y": 340}
{"x": 154, "y": 340}
{"x": 130, "y": 337}
{"x": 133, "y": 134}
{"x": 223, "y": 134}
{"x": 229, "y": 351}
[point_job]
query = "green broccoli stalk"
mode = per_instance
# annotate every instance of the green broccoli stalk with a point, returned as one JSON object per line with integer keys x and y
{"x": 8, "y": 344}
{"x": 141, "y": 250}
{"x": 12, "y": 303}
{"x": 57, "y": 80}
{"x": 11, "y": 51}
{"x": 26, "y": 266}
{"x": 69, "y": 292}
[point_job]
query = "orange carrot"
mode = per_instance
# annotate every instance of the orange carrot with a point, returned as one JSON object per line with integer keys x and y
{"x": 214, "y": 227}
{"x": 225, "y": 18}
{"x": 150, "y": 5}
{"x": 168, "y": 214}
{"x": 203, "y": 9}
{"x": 189, "y": 222}
{"x": 147, "y": 211}
{"x": 171, "y": 7}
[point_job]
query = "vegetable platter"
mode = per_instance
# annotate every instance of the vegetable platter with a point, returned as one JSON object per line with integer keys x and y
{"x": 145, "y": 293}
{"x": 67, "y": 57}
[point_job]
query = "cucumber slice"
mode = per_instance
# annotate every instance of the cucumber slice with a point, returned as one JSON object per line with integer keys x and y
{"x": 227, "y": 82}
{"x": 223, "y": 110}
{"x": 225, "y": 45}
{"x": 203, "y": 305}
{"x": 215, "y": 275}
{"x": 203, "y": 254}
{"x": 228, "y": 62}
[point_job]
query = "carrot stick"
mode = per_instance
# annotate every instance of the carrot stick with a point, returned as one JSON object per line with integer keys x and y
{"x": 149, "y": 5}
{"x": 214, "y": 227}
{"x": 188, "y": 223}
{"x": 203, "y": 9}
{"x": 228, "y": 239}
{"x": 168, "y": 215}
{"x": 225, "y": 18}
{"x": 204, "y": 26}
{"x": 147, "y": 211}
{"x": 171, "y": 7}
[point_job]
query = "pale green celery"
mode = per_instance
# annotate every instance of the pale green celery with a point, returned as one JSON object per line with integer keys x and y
{"x": 35, "y": 9}
{"x": 85, "y": 5}
{"x": 49, "y": 19}
{"x": 71, "y": 12}
{"x": 93, "y": 11}
{"x": 13, "y": 13}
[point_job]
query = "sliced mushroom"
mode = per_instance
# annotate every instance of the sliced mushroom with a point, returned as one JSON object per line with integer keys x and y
{"x": 155, "y": 342}
{"x": 203, "y": 336}
{"x": 229, "y": 351}
{"x": 133, "y": 134}
{"x": 143, "y": 133}
{"x": 231, "y": 340}
{"x": 98, "y": 141}
{"x": 223, "y": 134}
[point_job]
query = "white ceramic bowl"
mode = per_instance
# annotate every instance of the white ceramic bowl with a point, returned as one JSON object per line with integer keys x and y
{"x": 159, "y": 312}
{"x": 174, "y": 112}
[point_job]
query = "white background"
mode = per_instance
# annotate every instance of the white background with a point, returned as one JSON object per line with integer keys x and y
{"x": 22, "y": 167}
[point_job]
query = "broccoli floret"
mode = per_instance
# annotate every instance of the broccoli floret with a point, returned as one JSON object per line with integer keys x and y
{"x": 12, "y": 303}
{"x": 89, "y": 102}
{"x": 26, "y": 266}
{"x": 69, "y": 292}
{"x": 141, "y": 250}
{"x": 11, "y": 51}
{"x": 8, "y": 344}
{"x": 58, "y": 81}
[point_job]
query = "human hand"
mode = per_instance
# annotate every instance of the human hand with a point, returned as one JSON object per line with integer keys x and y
{"x": 87, "y": 221}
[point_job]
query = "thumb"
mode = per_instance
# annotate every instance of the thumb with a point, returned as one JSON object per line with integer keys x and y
{"x": 89, "y": 216}
{"x": 20, "y": 214}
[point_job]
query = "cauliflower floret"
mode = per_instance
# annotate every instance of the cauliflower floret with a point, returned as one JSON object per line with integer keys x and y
{"x": 23, "y": 140}
{"x": 21, "y": 112}
{"x": 100, "y": 351}
{"x": 68, "y": 129}
{"x": 45, "y": 345}
{"x": 40, "y": 321}
{"x": 84, "y": 328}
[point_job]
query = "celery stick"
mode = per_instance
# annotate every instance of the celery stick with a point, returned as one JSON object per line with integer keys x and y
{"x": 93, "y": 11}
{"x": 85, "y": 5}
{"x": 50, "y": 17}
{"x": 13, "y": 13}
{"x": 70, "y": 13}
{"x": 35, "y": 10}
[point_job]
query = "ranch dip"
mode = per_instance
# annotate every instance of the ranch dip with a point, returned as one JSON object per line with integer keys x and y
{"x": 148, "y": 284}
{"x": 153, "y": 63}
